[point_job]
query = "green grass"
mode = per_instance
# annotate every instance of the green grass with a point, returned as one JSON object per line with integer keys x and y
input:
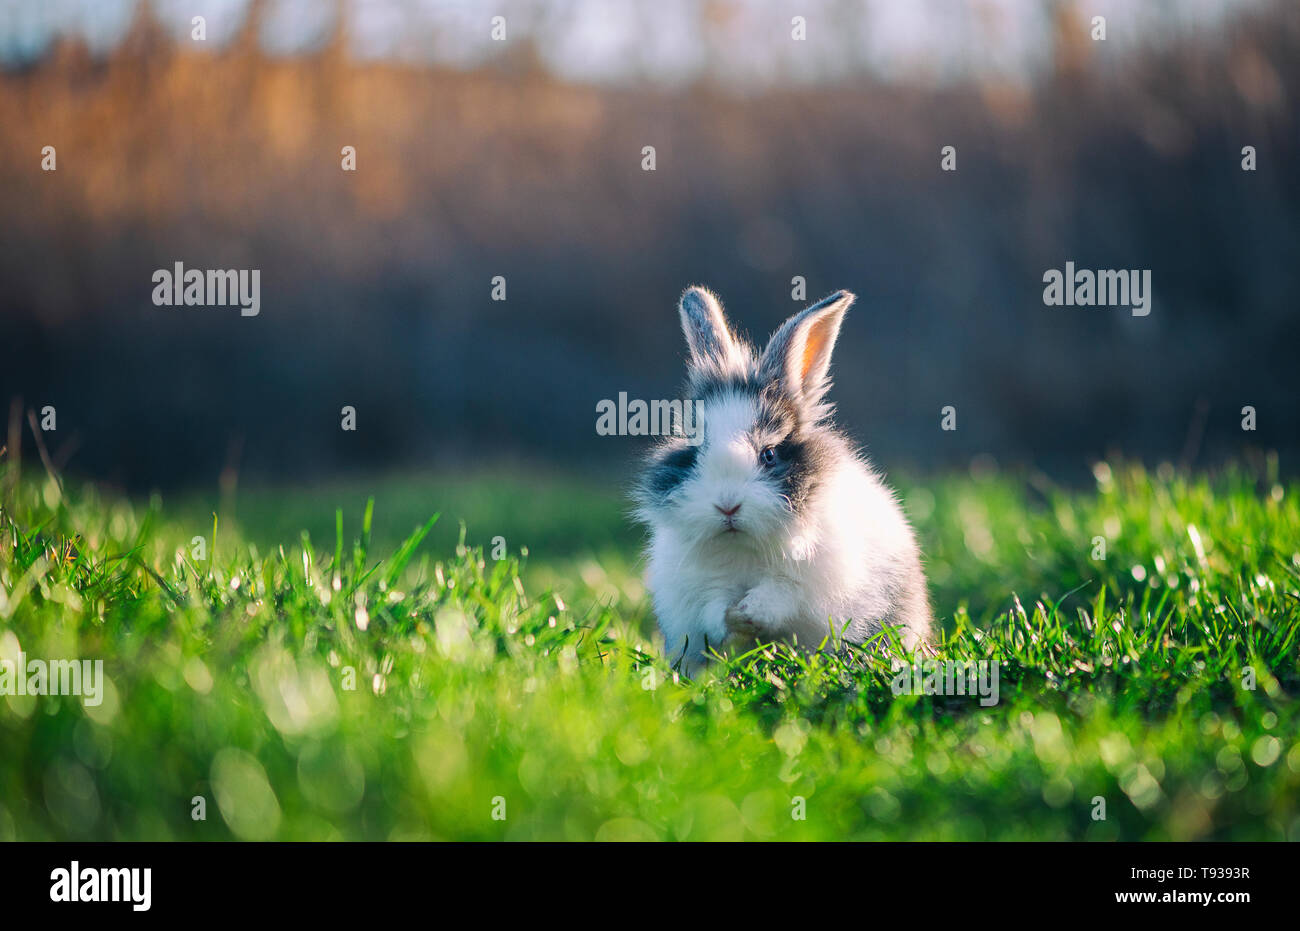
{"x": 1123, "y": 678}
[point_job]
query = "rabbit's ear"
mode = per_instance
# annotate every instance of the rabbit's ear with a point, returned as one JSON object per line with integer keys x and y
{"x": 798, "y": 355}
{"x": 707, "y": 335}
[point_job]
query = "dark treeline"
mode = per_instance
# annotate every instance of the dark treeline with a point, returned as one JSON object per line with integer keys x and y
{"x": 376, "y": 284}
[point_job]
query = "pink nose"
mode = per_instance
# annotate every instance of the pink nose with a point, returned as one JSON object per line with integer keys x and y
{"x": 727, "y": 513}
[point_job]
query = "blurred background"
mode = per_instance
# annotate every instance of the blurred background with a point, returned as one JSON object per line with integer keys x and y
{"x": 522, "y": 158}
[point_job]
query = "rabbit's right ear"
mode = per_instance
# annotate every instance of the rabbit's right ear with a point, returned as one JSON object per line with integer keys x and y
{"x": 710, "y": 340}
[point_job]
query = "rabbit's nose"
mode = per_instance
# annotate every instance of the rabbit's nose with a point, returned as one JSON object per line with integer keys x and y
{"x": 728, "y": 512}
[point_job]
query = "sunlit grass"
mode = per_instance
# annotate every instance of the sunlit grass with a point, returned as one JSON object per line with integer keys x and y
{"x": 356, "y": 681}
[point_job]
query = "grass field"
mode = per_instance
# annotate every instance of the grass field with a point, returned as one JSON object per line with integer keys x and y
{"x": 310, "y": 670}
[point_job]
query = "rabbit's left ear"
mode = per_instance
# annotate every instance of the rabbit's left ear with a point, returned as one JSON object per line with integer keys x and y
{"x": 798, "y": 355}
{"x": 710, "y": 340}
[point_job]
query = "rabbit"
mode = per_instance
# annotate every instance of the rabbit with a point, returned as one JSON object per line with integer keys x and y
{"x": 771, "y": 525}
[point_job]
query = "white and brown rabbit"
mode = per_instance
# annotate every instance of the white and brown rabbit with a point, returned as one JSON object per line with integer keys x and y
{"x": 770, "y": 525}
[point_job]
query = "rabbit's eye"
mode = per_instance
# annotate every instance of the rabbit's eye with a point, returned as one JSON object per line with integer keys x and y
{"x": 768, "y": 455}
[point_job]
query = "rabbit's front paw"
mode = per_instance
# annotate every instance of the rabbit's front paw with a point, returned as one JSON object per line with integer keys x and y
{"x": 751, "y": 616}
{"x": 739, "y": 623}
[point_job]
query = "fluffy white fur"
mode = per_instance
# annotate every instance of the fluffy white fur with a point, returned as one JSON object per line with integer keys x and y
{"x": 842, "y": 565}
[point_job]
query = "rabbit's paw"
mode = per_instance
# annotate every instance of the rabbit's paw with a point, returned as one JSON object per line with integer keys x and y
{"x": 753, "y": 616}
{"x": 739, "y": 623}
